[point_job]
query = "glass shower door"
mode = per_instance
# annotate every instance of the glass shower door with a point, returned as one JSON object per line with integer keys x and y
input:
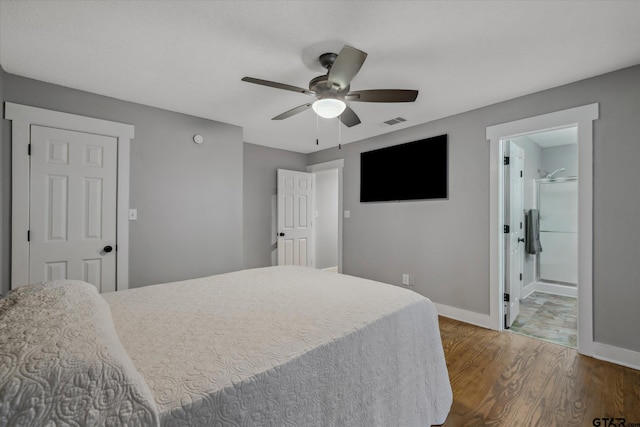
{"x": 558, "y": 206}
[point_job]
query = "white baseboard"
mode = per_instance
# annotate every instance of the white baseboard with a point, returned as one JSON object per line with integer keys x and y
{"x": 549, "y": 288}
{"x": 528, "y": 290}
{"x": 617, "y": 355}
{"x": 331, "y": 269}
{"x": 478, "y": 319}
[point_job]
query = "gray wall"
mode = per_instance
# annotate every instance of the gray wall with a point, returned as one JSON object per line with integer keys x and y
{"x": 532, "y": 162}
{"x": 188, "y": 196}
{"x": 445, "y": 244}
{"x": 326, "y": 221}
{"x": 260, "y": 185}
{"x": 562, "y": 156}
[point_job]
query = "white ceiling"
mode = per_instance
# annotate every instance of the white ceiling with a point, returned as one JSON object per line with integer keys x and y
{"x": 189, "y": 56}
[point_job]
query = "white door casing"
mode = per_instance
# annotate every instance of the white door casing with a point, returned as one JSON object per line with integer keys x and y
{"x": 22, "y": 118}
{"x": 295, "y": 218}
{"x": 583, "y": 118}
{"x": 73, "y": 207}
{"x": 515, "y": 237}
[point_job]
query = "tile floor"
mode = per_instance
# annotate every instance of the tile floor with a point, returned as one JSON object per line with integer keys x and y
{"x": 552, "y": 318}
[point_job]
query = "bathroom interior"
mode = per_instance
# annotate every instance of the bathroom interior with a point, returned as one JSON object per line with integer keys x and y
{"x": 548, "y": 305}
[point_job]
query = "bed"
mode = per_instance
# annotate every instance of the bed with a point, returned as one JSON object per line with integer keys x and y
{"x": 275, "y": 346}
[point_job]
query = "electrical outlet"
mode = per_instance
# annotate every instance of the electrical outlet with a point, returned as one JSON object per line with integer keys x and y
{"x": 405, "y": 279}
{"x": 133, "y": 214}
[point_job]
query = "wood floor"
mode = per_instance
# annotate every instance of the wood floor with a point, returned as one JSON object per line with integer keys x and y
{"x": 506, "y": 379}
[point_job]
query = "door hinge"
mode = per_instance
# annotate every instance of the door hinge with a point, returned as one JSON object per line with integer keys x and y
{"x": 506, "y": 297}
{"x": 28, "y": 235}
{"x": 505, "y": 161}
{"x": 520, "y": 174}
{"x": 520, "y": 225}
{"x": 506, "y": 229}
{"x": 520, "y": 276}
{"x": 29, "y": 149}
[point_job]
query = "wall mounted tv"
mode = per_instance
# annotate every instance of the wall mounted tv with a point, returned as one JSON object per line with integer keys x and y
{"x": 416, "y": 170}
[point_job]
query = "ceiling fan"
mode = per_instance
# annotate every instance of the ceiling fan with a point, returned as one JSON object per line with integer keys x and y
{"x": 332, "y": 90}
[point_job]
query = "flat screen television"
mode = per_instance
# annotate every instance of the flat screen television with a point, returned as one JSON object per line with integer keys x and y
{"x": 415, "y": 170}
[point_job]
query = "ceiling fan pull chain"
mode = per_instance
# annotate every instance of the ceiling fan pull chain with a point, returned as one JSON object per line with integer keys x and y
{"x": 339, "y": 134}
{"x": 317, "y": 130}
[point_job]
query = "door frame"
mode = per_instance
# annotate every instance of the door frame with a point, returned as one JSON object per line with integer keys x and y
{"x": 22, "y": 117}
{"x": 334, "y": 164}
{"x": 583, "y": 118}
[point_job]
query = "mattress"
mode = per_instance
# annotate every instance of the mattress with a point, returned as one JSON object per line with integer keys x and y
{"x": 285, "y": 346}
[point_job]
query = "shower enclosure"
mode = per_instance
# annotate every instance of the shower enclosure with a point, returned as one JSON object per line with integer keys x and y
{"x": 557, "y": 202}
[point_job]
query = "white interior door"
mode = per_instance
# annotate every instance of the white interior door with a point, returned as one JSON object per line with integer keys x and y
{"x": 295, "y": 218}
{"x": 516, "y": 230}
{"x": 73, "y": 207}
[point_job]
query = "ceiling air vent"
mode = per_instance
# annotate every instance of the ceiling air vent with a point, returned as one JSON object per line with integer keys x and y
{"x": 395, "y": 121}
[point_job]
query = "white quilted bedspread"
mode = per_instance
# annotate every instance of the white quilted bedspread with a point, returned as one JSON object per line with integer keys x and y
{"x": 286, "y": 346}
{"x": 61, "y": 363}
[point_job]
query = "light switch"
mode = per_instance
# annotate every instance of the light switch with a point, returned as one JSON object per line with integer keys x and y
{"x": 133, "y": 214}
{"x": 347, "y": 214}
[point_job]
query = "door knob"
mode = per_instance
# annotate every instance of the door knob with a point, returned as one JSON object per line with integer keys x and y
{"x": 107, "y": 249}
{"x": 520, "y": 240}
{"x": 281, "y": 234}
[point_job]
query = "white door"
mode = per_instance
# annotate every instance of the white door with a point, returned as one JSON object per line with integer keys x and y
{"x": 73, "y": 207}
{"x": 516, "y": 230}
{"x": 294, "y": 218}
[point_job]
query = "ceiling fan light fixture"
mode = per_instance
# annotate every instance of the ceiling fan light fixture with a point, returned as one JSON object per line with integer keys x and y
{"x": 332, "y": 89}
{"x": 328, "y": 108}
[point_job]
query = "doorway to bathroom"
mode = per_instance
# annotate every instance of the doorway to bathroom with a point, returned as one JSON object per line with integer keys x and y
{"x": 498, "y": 135}
{"x": 541, "y": 206}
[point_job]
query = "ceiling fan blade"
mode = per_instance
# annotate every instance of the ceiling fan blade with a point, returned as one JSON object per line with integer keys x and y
{"x": 347, "y": 65}
{"x": 293, "y": 111}
{"x": 349, "y": 118}
{"x": 383, "y": 95}
{"x": 278, "y": 85}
